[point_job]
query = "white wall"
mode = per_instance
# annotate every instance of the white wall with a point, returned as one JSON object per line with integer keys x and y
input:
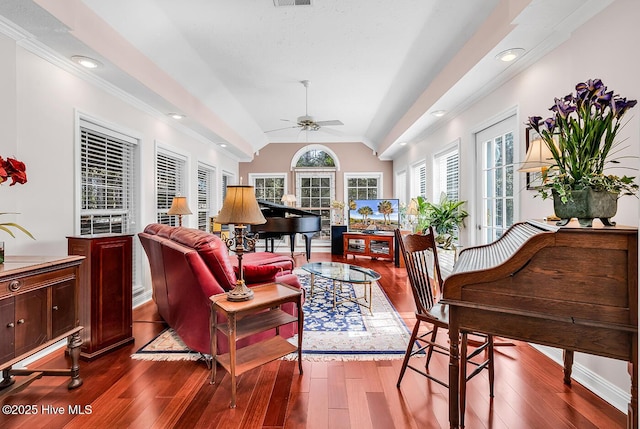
{"x": 39, "y": 106}
{"x": 603, "y": 48}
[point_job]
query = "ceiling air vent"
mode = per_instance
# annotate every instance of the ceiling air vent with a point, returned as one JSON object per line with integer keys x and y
{"x": 280, "y": 3}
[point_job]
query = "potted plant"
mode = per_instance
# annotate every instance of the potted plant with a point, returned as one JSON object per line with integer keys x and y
{"x": 446, "y": 218}
{"x": 581, "y": 136}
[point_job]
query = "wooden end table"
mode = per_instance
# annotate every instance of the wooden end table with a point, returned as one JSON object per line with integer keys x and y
{"x": 246, "y": 318}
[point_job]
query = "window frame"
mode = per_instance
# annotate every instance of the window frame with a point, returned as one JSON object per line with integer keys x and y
{"x": 209, "y": 195}
{"x": 182, "y": 187}
{"x": 450, "y": 150}
{"x": 256, "y": 176}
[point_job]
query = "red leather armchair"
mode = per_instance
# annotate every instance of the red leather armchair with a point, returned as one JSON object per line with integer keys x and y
{"x": 189, "y": 265}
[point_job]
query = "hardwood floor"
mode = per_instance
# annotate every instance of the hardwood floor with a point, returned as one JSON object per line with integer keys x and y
{"x": 119, "y": 392}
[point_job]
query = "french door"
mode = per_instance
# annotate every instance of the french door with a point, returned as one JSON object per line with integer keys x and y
{"x": 496, "y": 156}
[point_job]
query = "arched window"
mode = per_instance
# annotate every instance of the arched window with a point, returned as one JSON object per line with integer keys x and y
{"x": 315, "y": 158}
{"x": 315, "y": 169}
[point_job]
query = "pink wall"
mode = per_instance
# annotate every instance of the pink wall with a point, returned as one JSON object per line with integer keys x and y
{"x": 352, "y": 158}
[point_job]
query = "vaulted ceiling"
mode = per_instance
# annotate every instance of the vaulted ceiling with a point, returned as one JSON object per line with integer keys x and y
{"x": 234, "y": 67}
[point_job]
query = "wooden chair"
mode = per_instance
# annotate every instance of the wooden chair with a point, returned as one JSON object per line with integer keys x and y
{"x": 420, "y": 253}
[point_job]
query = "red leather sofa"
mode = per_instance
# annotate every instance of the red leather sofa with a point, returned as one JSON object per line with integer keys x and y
{"x": 189, "y": 265}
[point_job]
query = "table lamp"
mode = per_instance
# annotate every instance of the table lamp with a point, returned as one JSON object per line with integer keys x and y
{"x": 538, "y": 159}
{"x": 240, "y": 208}
{"x": 289, "y": 200}
{"x": 179, "y": 207}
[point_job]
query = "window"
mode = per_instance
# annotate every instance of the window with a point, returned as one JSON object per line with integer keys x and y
{"x": 227, "y": 179}
{"x": 446, "y": 175}
{"x": 315, "y": 192}
{"x": 363, "y": 186}
{"x": 269, "y": 187}
{"x": 107, "y": 182}
{"x": 315, "y": 158}
{"x": 401, "y": 187}
{"x": 419, "y": 180}
{"x": 205, "y": 195}
{"x": 315, "y": 169}
{"x": 170, "y": 181}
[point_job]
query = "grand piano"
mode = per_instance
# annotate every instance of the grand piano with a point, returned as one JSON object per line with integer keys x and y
{"x": 568, "y": 287}
{"x": 285, "y": 220}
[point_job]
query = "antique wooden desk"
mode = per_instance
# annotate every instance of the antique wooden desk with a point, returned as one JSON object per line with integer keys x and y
{"x": 573, "y": 288}
{"x": 246, "y": 318}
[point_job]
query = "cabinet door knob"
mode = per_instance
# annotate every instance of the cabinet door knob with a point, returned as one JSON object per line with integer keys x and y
{"x": 20, "y": 321}
{"x": 10, "y": 325}
{"x": 55, "y": 308}
{"x": 14, "y": 286}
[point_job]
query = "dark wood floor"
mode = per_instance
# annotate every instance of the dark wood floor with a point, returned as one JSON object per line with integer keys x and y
{"x": 120, "y": 392}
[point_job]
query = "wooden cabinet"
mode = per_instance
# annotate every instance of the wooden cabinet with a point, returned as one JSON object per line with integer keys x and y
{"x": 105, "y": 291}
{"x": 246, "y": 318}
{"x": 38, "y": 307}
{"x": 372, "y": 245}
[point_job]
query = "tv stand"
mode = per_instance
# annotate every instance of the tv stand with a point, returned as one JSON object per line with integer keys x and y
{"x": 376, "y": 246}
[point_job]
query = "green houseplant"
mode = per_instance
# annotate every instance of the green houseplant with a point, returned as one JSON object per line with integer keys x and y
{"x": 446, "y": 217}
{"x": 581, "y": 136}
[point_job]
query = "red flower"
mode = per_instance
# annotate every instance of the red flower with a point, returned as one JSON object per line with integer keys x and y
{"x": 14, "y": 169}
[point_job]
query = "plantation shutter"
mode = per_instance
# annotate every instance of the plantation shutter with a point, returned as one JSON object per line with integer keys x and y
{"x": 107, "y": 181}
{"x": 170, "y": 176}
{"x": 205, "y": 193}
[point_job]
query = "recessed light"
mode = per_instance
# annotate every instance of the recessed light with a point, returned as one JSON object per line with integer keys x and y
{"x": 509, "y": 54}
{"x": 438, "y": 113}
{"x": 176, "y": 115}
{"x": 87, "y": 62}
{"x": 403, "y": 143}
{"x": 223, "y": 145}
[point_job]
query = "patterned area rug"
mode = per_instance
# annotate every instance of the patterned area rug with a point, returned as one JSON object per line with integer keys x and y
{"x": 349, "y": 332}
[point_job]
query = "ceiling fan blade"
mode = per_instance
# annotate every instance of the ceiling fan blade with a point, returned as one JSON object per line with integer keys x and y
{"x": 331, "y": 122}
{"x": 280, "y": 129}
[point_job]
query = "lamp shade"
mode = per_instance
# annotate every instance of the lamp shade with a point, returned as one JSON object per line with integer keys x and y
{"x": 538, "y": 157}
{"x": 288, "y": 199}
{"x": 179, "y": 206}
{"x": 240, "y": 207}
{"x": 412, "y": 210}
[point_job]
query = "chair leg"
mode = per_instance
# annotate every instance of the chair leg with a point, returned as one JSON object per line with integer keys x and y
{"x": 463, "y": 378}
{"x": 430, "y": 352}
{"x": 407, "y": 355}
{"x": 491, "y": 370}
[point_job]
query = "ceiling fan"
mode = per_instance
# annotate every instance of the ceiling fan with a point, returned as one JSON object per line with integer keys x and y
{"x": 306, "y": 122}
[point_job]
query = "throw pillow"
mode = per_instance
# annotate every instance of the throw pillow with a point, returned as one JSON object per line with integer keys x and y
{"x": 258, "y": 273}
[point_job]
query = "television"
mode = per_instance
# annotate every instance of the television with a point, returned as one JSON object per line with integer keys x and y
{"x": 374, "y": 216}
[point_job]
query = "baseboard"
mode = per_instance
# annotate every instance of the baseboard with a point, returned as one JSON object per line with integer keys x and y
{"x": 590, "y": 380}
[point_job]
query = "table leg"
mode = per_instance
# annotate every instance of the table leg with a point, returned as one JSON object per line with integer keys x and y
{"x": 213, "y": 329}
{"x": 454, "y": 373}
{"x": 232, "y": 356}
{"x": 567, "y": 357}
{"x": 74, "y": 342}
{"x": 300, "y": 330}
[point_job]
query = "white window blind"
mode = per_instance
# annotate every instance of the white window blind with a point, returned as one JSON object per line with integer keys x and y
{"x": 205, "y": 195}
{"x": 107, "y": 182}
{"x": 446, "y": 175}
{"x": 170, "y": 181}
{"x": 419, "y": 180}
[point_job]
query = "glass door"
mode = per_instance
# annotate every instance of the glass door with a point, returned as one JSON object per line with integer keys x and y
{"x": 496, "y": 147}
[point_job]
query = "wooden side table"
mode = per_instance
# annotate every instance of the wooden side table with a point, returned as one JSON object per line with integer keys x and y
{"x": 246, "y": 318}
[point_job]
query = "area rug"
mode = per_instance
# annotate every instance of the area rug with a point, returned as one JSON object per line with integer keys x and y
{"x": 349, "y": 332}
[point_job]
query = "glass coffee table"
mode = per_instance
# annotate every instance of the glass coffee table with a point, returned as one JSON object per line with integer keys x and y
{"x": 341, "y": 273}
